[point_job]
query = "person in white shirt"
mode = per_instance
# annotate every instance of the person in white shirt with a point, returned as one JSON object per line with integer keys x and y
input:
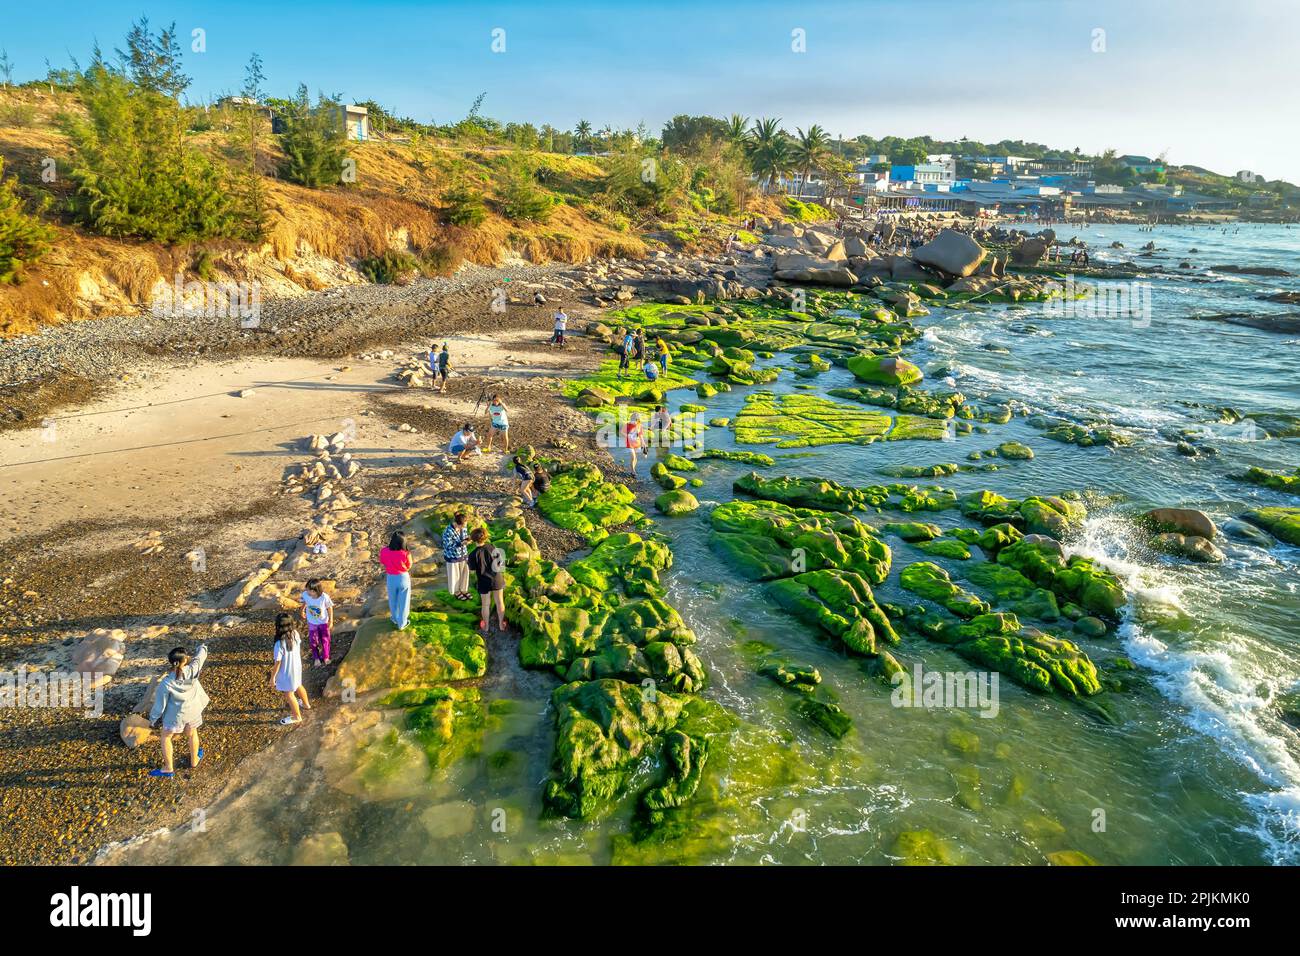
{"x": 286, "y": 676}
{"x": 561, "y": 324}
{"x": 318, "y": 612}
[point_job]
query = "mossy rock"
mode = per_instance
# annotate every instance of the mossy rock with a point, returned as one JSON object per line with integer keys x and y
{"x": 1079, "y": 580}
{"x": 1281, "y": 523}
{"x": 1015, "y": 451}
{"x": 676, "y": 503}
{"x": 752, "y": 458}
{"x": 912, "y": 530}
{"x": 841, "y": 604}
{"x": 923, "y": 848}
{"x": 435, "y": 647}
{"x": 928, "y": 580}
{"x": 819, "y": 493}
{"x": 805, "y": 421}
{"x": 678, "y": 463}
{"x": 950, "y": 549}
{"x": 884, "y": 370}
{"x": 581, "y": 500}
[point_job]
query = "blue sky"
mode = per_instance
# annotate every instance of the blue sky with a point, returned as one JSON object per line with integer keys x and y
{"x": 1211, "y": 82}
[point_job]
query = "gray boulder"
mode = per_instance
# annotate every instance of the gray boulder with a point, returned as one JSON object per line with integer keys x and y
{"x": 952, "y": 252}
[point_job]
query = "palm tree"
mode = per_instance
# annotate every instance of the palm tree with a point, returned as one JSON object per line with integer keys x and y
{"x": 582, "y": 132}
{"x": 811, "y": 149}
{"x": 770, "y": 151}
{"x": 738, "y": 129}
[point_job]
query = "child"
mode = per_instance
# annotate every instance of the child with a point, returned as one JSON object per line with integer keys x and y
{"x": 318, "y": 612}
{"x": 561, "y": 325}
{"x": 524, "y": 474}
{"x": 651, "y": 370}
{"x": 500, "y": 417}
{"x": 444, "y": 363}
{"x": 625, "y": 355}
{"x": 179, "y": 702}
{"x": 486, "y": 562}
{"x": 286, "y": 676}
{"x": 397, "y": 562}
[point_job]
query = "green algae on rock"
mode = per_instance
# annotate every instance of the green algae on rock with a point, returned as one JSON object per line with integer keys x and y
{"x": 1272, "y": 479}
{"x": 1281, "y": 523}
{"x": 948, "y": 548}
{"x": 676, "y": 503}
{"x": 884, "y": 370}
{"x": 840, "y": 603}
{"x": 766, "y": 539}
{"x": 805, "y": 421}
{"x": 581, "y": 500}
{"x": 926, "y": 579}
{"x": 436, "y": 646}
{"x": 912, "y": 531}
{"x": 1079, "y": 580}
{"x": 603, "y": 730}
{"x": 751, "y": 458}
{"x": 818, "y": 493}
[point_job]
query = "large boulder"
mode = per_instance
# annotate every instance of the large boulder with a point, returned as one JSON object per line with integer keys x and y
{"x": 1029, "y": 252}
{"x": 1184, "y": 521}
{"x": 952, "y": 252}
{"x": 857, "y": 246}
{"x": 100, "y": 654}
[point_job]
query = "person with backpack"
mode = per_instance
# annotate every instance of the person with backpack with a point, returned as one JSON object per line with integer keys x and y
{"x": 286, "y": 675}
{"x": 625, "y": 352}
{"x": 178, "y": 702}
{"x": 488, "y": 565}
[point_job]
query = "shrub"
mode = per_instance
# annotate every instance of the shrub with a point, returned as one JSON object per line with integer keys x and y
{"x": 17, "y": 114}
{"x": 464, "y": 207}
{"x": 522, "y": 200}
{"x": 442, "y": 259}
{"x": 388, "y": 267}
{"x": 806, "y": 211}
{"x": 23, "y": 238}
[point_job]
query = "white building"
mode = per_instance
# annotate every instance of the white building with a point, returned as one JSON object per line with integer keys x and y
{"x": 1246, "y": 176}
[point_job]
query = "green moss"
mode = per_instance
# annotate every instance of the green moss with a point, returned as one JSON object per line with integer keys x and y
{"x": 752, "y": 458}
{"x": 766, "y": 539}
{"x": 1273, "y": 479}
{"x": 1014, "y": 450}
{"x": 676, "y": 503}
{"x": 953, "y": 550}
{"x": 1281, "y": 523}
{"x": 817, "y": 493}
{"x": 886, "y": 370}
{"x": 923, "y": 848}
{"x": 805, "y": 421}
{"x": 912, "y": 530}
{"x": 931, "y": 582}
{"x": 678, "y": 463}
{"x": 581, "y": 500}
{"x": 1078, "y": 580}
{"x": 840, "y": 603}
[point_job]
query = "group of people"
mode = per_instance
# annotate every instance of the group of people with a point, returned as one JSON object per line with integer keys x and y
{"x": 631, "y": 349}
{"x": 466, "y": 442}
{"x": 179, "y": 698}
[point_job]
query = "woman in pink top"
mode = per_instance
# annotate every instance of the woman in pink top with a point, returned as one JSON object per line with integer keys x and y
{"x": 397, "y": 562}
{"x": 633, "y": 437}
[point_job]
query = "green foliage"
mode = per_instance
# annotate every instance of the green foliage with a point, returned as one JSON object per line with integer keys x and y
{"x": 23, "y": 238}
{"x": 314, "y": 141}
{"x": 521, "y": 198}
{"x": 464, "y": 206}
{"x": 388, "y": 267}
{"x": 134, "y": 172}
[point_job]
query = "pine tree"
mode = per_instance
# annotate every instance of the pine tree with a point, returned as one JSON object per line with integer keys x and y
{"x": 314, "y": 142}
{"x": 23, "y": 238}
{"x": 253, "y": 202}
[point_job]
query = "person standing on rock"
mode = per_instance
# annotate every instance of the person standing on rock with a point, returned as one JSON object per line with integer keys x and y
{"x": 488, "y": 564}
{"x": 318, "y": 612}
{"x": 639, "y": 344}
{"x": 286, "y": 676}
{"x": 561, "y": 325}
{"x": 662, "y": 346}
{"x": 397, "y": 563}
{"x": 179, "y": 702}
{"x": 454, "y": 552}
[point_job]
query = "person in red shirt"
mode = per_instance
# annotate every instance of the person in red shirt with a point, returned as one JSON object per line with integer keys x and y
{"x": 397, "y": 562}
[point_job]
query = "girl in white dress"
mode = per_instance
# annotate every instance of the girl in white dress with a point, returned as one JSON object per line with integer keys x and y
{"x": 286, "y": 676}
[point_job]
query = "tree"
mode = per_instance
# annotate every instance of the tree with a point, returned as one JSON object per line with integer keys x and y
{"x": 6, "y": 67}
{"x": 248, "y": 138}
{"x": 738, "y": 129}
{"x": 134, "y": 171}
{"x": 314, "y": 141}
{"x": 770, "y": 156}
{"x": 908, "y": 155}
{"x": 811, "y": 150}
{"x": 582, "y": 134}
{"x": 689, "y": 133}
{"x": 154, "y": 61}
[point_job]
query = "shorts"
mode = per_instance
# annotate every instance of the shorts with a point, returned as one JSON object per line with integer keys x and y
{"x": 193, "y": 725}
{"x": 442, "y": 373}
{"x": 504, "y": 426}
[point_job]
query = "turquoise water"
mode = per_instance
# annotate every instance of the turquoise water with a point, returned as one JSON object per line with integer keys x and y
{"x": 1197, "y": 770}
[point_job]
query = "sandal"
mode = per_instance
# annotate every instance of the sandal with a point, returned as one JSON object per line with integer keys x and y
{"x": 162, "y": 773}
{"x": 290, "y": 720}
{"x": 198, "y": 758}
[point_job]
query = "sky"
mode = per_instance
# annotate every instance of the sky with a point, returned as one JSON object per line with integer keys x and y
{"x": 1211, "y": 84}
